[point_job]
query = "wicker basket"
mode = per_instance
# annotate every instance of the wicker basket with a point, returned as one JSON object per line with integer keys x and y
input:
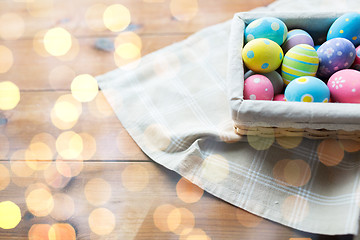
{"x": 277, "y": 118}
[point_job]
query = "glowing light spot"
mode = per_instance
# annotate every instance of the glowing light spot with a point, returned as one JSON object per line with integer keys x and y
{"x": 135, "y": 178}
{"x": 40, "y": 8}
{"x": 47, "y": 138}
{"x": 290, "y": 208}
{"x": 84, "y": 88}
{"x": 160, "y": 217}
{"x": 97, "y": 191}
{"x": 157, "y": 137}
{"x": 350, "y": 145}
{"x": 4, "y": 177}
{"x": 92, "y": 16}
{"x": 289, "y": 142}
{"x": 69, "y": 168}
{"x": 54, "y": 178}
{"x": 21, "y": 171}
{"x": 73, "y": 51}
{"x": 292, "y": 172}
{"x": 61, "y": 231}
{"x": 261, "y": 143}
{"x": 66, "y": 112}
{"x": 10, "y": 215}
{"x": 188, "y": 192}
{"x": 57, "y": 41}
{"x": 101, "y": 221}
{"x": 64, "y": 207}
{"x": 38, "y": 44}
{"x": 89, "y": 146}
{"x": 247, "y": 219}
{"x": 330, "y": 152}
{"x": 128, "y": 37}
{"x": 39, "y": 200}
{"x": 9, "y": 94}
{"x": 215, "y": 168}
{"x": 194, "y": 234}
{"x": 69, "y": 145}
{"x": 180, "y": 220}
{"x": 11, "y": 26}
{"x": 184, "y": 10}
{"x": 116, "y": 17}
{"x": 39, "y": 232}
{"x": 127, "y": 53}
{"x": 38, "y": 156}
{"x": 4, "y": 146}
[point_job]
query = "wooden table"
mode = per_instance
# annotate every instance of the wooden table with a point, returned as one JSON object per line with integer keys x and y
{"x": 67, "y": 162}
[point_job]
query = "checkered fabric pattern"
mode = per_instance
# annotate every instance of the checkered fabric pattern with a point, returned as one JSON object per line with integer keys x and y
{"x": 174, "y": 104}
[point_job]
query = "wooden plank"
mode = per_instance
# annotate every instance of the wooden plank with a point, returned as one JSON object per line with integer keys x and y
{"x": 97, "y": 121}
{"x": 147, "y": 16}
{"x": 143, "y": 201}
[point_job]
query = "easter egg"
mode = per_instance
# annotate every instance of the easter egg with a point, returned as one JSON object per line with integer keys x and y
{"x": 266, "y": 27}
{"x": 274, "y": 77}
{"x": 258, "y": 87}
{"x": 295, "y": 37}
{"x": 346, "y": 26}
{"x": 335, "y": 54}
{"x": 279, "y": 97}
{"x": 301, "y": 60}
{"x": 307, "y": 89}
{"x": 262, "y": 55}
{"x": 356, "y": 63}
{"x": 344, "y": 86}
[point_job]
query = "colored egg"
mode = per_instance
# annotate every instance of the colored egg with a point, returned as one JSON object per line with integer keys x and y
{"x": 356, "y": 63}
{"x": 334, "y": 55}
{"x": 344, "y": 86}
{"x": 346, "y": 26}
{"x": 262, "y": 55}
{"x": 279, "y": 97}
{"x": 258, "y": 87}
{"x": 301, "y": 60}
{"x": 266, "y": 27}
{"x": 307, "y": 89}
{"x": 274, "y": 77}
{"x": 295, "y": 37}
{"x": 316, "y": 47}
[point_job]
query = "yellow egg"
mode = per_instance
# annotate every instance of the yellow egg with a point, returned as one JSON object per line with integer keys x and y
{"x": 262, "y": 55}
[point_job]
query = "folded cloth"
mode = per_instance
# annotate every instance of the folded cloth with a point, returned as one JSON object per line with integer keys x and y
{"x": 174, "y": 105}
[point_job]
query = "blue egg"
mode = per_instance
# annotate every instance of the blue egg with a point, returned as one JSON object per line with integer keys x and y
{"x": 266, "y": 27}
{"x": 346, "y": 26}
{"x": 307, "y": 89}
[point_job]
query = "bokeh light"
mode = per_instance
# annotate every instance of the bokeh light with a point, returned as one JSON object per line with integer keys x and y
{"x": 247, "y": 219}
{"x": 11, "y": 26}
{"x": 22, "y": 173}
{"x": 9, "y": 93}
{"x": 350, "y": 145}
{"x": 289, "y": 142}
{"x": 195, "y": 234}
{"x": 184, "y": 10}
{"x": 54, "y": 178}
{"x": 100, "y": 107}
{"x": 66, "y": 112}
{"x": 157, "y": 137}
{"x": 39, "y": 200}
{"x": 102, "y": 221}
{"x": 10, "y": 215}
{"x": 135, "y": 178}
{"x": 292, "y": 172}
{"x": 215, "y": 168}
{"x": 89, "y": 146}
{"x": 261, "y": 143}
{"x": 295, "y": 209}
{"x": 40, "y": 8}
{"x": 92, "y": 16}
{"x": 73, "y": 51}
{"x": 47, "y": 138}
{"x": 64, "y": 207}
{"x": 84, "y": 88}
{"x": 39, "y": 232}
{"x": 69, "y": 145}
{"x": 160, "y": 216}
{"x": 4, "y": 177}
{"x": 127, "y": 56}
{"x": 57, "y": 41}
{"x": 69, "y": 168}
{"x": 188, "y": 192}
{"x": 116, "y": 17}
{"x": 61, "y": 76}
{"x": 128, "y": 37}
{"x": 4, "y": 146}
{"x": 330, "y": 152}
{"x": 38, "y": 44}
{"x": 38, "y": 156}
{"x": 61, "y": 231}
{"x": 97, "y": 191}
{"x": 181, "y": 221}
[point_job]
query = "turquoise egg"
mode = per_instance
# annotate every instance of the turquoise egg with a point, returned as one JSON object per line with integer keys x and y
{"x": 307, "y": 89}
{"x": 346, "y": 26}
{"x": 266, "y": 27}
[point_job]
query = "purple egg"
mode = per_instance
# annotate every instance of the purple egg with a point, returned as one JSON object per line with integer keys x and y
{"x": 334, "y": 55}
{"x": 295, "y": 37}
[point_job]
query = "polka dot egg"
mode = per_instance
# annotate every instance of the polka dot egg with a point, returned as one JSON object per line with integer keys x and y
{"x": 344, "y": 86}
{"x": 307, "y": 89}
{"x": 258, "y": 87}
{"x": 295, "y": 37}
{"x": 335, "y": 54}
{"x": 274, "y": 77}
{"x": 301, "y": 60}
{"x": 356, "y": 63}
{"x": 346, "y": 26}
{"x": 262, "y": 55}
{"x": 266, "y": 27}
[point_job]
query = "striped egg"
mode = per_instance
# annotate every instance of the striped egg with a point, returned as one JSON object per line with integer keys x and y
{"x": 295, "y": 37}
{"x": 301, "y": 60}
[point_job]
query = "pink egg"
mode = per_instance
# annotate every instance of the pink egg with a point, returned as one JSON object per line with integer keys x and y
{"x": 279, "y": 97}
{"x": 356, "y": 64}
{"x": 344, "y": 86}
{"x": 258, "y": 87}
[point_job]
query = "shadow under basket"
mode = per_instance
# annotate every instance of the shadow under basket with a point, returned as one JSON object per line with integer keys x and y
{"x": 279, "y": 118}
